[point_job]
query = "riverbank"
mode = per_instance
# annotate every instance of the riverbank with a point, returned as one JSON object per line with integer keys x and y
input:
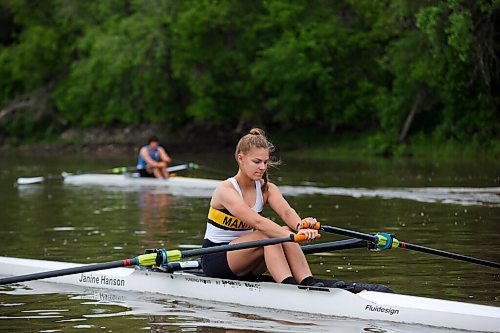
{"x": 127, "y": 140}
{"x": 201, "y": 139}
{"x": 317, "y": 145}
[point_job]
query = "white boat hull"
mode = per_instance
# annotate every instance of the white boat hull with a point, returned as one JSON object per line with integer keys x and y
{"x": 204, "y": 187}
{"x": 126, "y": 180}
{"x": 368, "y": 305}
{"x": 183, "y": 186}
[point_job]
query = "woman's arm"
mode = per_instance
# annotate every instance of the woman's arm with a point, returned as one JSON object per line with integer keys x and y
{"x": 144, "y": 154}
{"x": 226, "y": 196}
{"x": 164, "y": 156}
{"x": 282, "y": 207}
{"x": 279, "y": 204}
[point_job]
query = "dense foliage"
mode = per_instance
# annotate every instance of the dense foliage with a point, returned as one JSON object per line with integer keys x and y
{"x": 393, "y": 71}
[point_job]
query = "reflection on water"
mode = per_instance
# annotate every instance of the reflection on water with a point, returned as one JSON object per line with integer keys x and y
{"x": 154, "y": 217}
{"x": 466, "y": 196}
{"x": 55, "y": 307}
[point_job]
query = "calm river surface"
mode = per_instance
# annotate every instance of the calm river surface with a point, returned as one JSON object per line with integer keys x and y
{"x": 424, "y": 202}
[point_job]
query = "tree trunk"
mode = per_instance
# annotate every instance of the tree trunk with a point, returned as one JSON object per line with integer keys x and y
{"x": 36, "y": 99}
{"x": 415, "y": 109}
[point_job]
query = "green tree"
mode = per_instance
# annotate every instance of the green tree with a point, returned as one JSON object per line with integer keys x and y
{"x": 122, "y": 73}
{"x": 443, "y": 72}
{"x": 394, "y": 70}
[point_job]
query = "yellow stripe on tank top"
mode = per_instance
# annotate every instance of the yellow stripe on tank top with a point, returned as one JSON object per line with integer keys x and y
{"x": 226, "y": 221}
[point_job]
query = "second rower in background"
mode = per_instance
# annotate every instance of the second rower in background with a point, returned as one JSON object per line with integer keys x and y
{"x": 153, "y": 160}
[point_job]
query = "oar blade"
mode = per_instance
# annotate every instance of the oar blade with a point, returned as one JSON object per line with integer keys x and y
{"x": 30, "y": 180}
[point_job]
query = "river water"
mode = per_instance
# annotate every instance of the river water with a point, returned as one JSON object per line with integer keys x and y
{"x": 449, "y": 205}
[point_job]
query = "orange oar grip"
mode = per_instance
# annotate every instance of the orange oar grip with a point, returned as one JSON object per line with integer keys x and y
{"x": 306, "y": 225}
{"x": 299, "y": 238}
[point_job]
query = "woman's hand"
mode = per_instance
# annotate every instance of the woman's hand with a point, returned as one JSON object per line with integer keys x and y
{"x": 310, "y": 234}
{"x": 308, "y": 223}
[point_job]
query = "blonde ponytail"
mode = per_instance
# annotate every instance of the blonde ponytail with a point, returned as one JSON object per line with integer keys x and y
{"x": 256, "y": 138}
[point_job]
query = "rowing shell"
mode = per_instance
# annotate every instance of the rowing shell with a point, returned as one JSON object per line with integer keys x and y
{"x": 179, "y": 185}
{"x": 191, "y": 186}
{"x": 367, "y": 305}
{"x": 128, "y": 180}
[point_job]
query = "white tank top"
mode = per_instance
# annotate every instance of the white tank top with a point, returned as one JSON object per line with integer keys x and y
{"x": 219, "y": 235}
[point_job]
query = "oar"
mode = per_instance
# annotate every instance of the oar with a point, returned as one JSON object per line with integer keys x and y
{"x": 180, "y": 167}
{"x": 307, "y": 249}
{"x": 386, "y": 241}
{"x": 115, "y": 170}
{"x": 344, "y": 244}
{"x": 35, "y": 180}
{"x": 196, "y": 166}
{"x": 159, "y": 258}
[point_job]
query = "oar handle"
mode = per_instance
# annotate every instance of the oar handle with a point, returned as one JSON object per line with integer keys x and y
{"x": 306, "y": 225}
{"x": 297, "y": 238}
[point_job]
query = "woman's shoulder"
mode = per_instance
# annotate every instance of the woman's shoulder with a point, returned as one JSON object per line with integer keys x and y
{"x": 222, "y": 192}
{"x": 272, "y": 185}
{"x": 273, "y": 189}
{"x": 224, "y": 185}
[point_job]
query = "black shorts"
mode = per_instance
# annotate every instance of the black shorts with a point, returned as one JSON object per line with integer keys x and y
{"x": 145, "y": 173}
{"x": 216, "y": 265}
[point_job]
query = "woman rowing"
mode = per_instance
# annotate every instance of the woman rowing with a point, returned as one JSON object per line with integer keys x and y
{"x": 234, "y": 217}
{"x": 153, "y": 160}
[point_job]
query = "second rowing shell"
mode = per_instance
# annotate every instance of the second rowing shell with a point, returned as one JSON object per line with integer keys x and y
{"x": 203, "y": 187}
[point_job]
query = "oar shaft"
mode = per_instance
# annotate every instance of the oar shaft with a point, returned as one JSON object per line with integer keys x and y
{"x": 348, "y": 233}
{"x": 150, "y": 259}
{"x": 307, "y": 249}
{"x": 68, "y": 271}
{"x": 195, "y": 166}
{"x": 335, "y": 246}
{"x": 447, "y": 254}
{"x": 177, "y": 167}
{"x": 414, "y": 247}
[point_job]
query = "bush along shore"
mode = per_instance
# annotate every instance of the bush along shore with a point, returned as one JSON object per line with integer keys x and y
{"x": 303, "y": 142}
